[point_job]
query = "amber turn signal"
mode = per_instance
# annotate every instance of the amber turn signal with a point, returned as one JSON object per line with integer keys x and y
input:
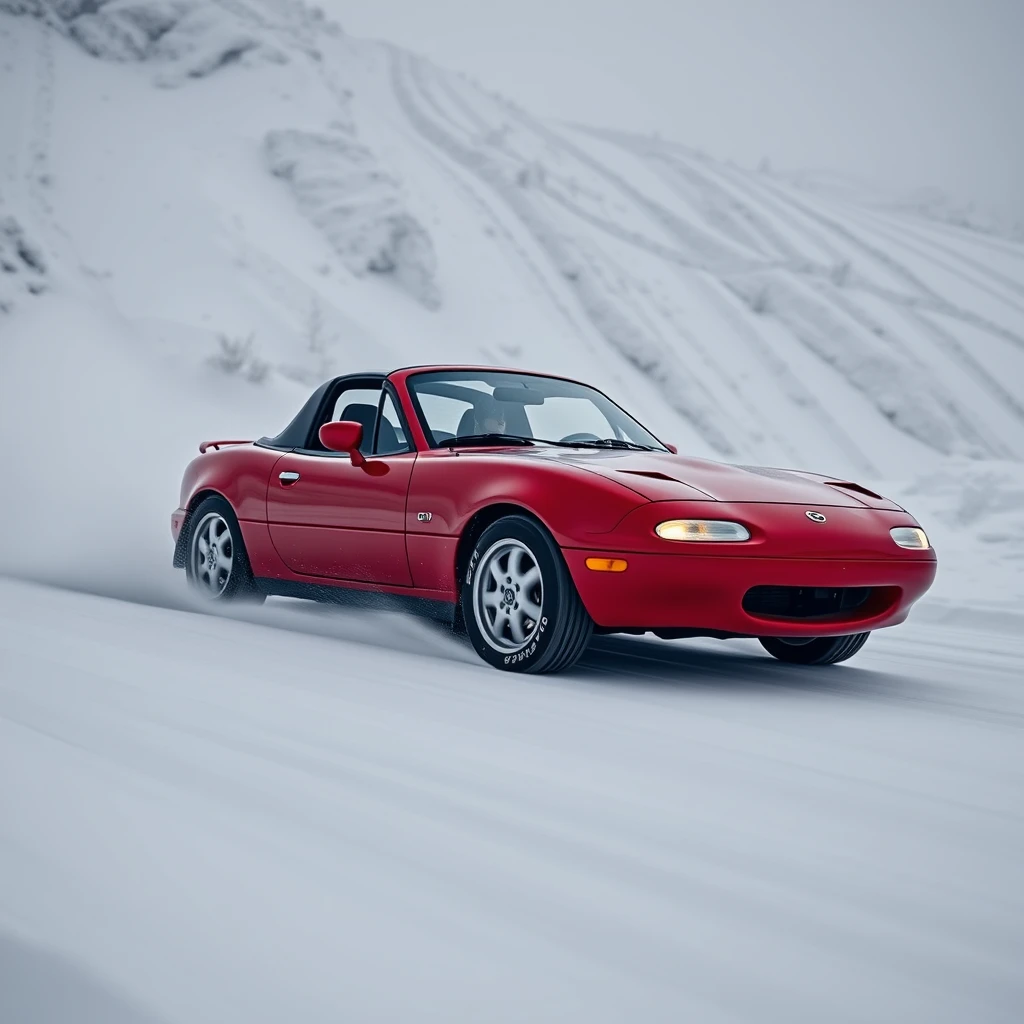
{"x": 607, "y": 564}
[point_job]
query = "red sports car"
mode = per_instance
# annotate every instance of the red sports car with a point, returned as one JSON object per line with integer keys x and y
{"x": 531, "y": 512}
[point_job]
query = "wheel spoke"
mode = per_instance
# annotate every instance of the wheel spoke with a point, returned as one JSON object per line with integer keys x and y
{"x": 491, "y": 598}
{"x": 496, "y": 574}
{"x": 530, "y": 579}
{"x": 515, "y": 564}
{"x": 213, "y": 581}
{"x": 202, "y": 544}
{"x": 530, "y": 607}
{"x": 515, "y": 622}
{"x": 223, "y": 542}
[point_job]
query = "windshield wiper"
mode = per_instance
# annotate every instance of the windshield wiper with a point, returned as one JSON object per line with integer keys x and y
{"x": 469, "y": 440}
{"x": 614, "y": 442}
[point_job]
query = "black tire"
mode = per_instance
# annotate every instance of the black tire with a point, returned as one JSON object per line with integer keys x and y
{"x": 822, "y": 650}
{"x": 557, "y": 634}
{"x": 208, "y": 578}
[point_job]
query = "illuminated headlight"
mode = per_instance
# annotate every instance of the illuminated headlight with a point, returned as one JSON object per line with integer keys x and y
{"x": 910, "y": 537}
{"x": 701, "y": 529}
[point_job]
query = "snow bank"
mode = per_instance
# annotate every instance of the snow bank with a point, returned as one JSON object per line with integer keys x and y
{"x": 343, "y": 189}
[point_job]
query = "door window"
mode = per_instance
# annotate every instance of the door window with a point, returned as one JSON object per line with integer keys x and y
{"x": 391, "y": 439}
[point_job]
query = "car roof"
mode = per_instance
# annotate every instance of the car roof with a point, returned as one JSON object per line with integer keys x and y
{"x": 408, "y": 371}
{"x": 296, "y": 434}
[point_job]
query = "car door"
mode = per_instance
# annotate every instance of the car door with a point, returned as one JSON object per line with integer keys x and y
{"x": 331, "y": 519}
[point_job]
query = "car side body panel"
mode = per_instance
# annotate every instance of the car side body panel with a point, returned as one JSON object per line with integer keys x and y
{"x": 333, "y": 519}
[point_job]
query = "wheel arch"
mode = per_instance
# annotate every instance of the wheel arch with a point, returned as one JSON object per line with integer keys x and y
{"x": 181, "y": 545}
{"x": 476, "y": 525}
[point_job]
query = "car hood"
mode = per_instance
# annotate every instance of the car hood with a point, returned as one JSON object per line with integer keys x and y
{"x": 661, "y": 476}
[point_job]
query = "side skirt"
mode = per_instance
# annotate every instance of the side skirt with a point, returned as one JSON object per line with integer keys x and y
{"x": 375, "y": 600}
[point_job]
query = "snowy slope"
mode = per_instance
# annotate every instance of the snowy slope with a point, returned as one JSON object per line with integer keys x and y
{"x": 209, "y": 206}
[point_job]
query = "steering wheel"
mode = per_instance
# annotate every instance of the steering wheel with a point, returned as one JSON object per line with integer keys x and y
{"x": 581, "y": 436}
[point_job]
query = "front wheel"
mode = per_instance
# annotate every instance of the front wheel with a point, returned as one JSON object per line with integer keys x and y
{"x": 822, "y": 650}
{"x": 218, "y": 566}
{"x": 519, "y": 604}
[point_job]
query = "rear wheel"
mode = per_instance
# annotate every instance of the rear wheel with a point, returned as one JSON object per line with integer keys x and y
{"x": 821, "y": 650}
{"x": 519, "y": 604}
{"x": 217, "y": 567}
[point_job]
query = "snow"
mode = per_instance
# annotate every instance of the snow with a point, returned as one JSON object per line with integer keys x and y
{"x": 302, "y": 816}
{"x": 206, "y": 209}
{"x": 341, "y": 187}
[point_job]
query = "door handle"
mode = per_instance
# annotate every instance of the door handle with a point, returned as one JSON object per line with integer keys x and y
{"x": 287, "y": 478}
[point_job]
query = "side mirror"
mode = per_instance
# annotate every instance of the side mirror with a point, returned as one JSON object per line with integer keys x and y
{"x": 672, "y": 448}
{"x": 344, "y": 436}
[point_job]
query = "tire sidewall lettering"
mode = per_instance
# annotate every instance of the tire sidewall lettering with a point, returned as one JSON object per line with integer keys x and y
{"x": 530, "y": 650}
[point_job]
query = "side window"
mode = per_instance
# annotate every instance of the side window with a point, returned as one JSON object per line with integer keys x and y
{"x": 391, "y": 439}
{"x": 356, "y": 397}
{"x": 360, "y": 405}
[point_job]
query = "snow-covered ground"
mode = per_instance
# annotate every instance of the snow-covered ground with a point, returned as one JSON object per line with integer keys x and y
{"x": 208, "y": 207}
{"x": 305, "y": 817}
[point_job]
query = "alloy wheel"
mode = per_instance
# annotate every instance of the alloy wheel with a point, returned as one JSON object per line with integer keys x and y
{"x": 213, "y": 555}
{"x": 508, "y": 594}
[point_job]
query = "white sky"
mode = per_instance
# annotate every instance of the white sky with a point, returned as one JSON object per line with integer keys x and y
{"x": 902, "y": 92}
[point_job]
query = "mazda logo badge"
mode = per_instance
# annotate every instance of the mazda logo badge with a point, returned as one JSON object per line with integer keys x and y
{"x": 815, "y": 517}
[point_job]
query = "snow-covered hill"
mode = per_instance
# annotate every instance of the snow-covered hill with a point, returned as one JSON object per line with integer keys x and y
{"x": 226, "y": 201}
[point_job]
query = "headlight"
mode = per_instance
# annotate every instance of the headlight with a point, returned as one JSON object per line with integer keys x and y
{"x": 910, "y": 537}
{"x": 701, "y": 529}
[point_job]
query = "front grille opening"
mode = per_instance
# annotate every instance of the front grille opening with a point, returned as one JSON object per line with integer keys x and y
{"x": 807, "y": 602}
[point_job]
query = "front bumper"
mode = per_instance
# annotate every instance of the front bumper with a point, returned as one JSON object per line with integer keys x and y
{"x": 704, "y": 592}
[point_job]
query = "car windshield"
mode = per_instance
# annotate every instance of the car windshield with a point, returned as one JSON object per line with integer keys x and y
{"x": 466, "y": 407}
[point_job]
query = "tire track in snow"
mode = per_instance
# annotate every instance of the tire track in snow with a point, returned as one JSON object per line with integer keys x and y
{"x": 967, "y": 275}
{"x": 913, "y": 402}
{"x": 927, "y": 297}
{"x": 967, "y": 422}
{"x": 492, "y": 218}
{"x": 700, "y": 249}
{"x": 920, "y": 230}
{"x": 961, "y": 232}
{"x": 957, "y": 352}
{"x": 724, "y": 207}
{"x": 738, "y": 185}
{"x": 443, "y": 82}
